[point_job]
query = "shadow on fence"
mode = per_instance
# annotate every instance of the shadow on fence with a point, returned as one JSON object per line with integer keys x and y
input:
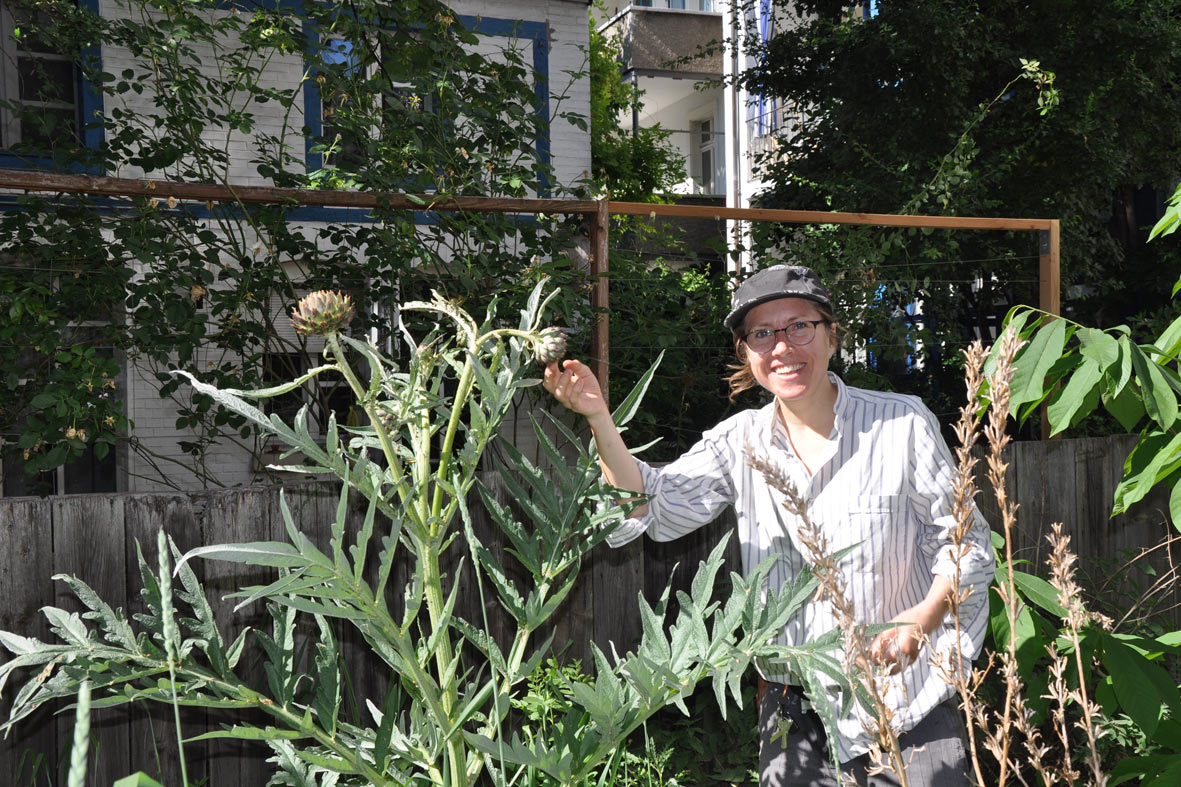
{"x": 95, "y": 537}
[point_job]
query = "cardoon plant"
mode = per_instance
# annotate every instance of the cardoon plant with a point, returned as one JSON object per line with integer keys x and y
{"x": 446, "y": 720}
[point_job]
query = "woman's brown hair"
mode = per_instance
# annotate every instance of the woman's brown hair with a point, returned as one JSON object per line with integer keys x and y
{"x": 742, "y": 377}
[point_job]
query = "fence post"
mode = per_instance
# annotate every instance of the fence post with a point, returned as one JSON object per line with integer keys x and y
{"x": 1049, "y": 286}
{"x": 600, "y": 302}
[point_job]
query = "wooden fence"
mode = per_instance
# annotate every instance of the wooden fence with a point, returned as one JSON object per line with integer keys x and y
{"x": 95, "y": 537}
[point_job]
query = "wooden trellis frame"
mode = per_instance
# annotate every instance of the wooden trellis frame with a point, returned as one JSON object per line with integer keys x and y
{"x": 597, "y": 213}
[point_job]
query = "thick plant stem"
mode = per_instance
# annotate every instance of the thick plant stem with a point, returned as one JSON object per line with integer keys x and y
{"x": 466, "y": 379}
{"x": 383, "y": 436}
{"x": 433, "y": 589}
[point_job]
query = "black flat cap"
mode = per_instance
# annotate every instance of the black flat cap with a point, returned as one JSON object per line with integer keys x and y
{"x": 769, "y": 284}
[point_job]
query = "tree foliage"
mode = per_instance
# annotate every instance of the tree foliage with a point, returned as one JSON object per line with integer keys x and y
{"x": 940, "y": 107}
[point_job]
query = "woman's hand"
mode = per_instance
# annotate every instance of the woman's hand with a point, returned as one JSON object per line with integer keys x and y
{"x": 898, "y": 648}
{"x": 575, "y": 387}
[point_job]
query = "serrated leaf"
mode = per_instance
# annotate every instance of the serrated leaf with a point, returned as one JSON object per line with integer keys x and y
{"x": 257, "y": 553}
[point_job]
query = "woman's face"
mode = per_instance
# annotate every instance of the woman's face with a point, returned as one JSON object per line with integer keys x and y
{"x": 792, "y": 372}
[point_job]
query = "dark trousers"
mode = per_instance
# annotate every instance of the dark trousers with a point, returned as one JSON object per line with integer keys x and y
{"x": 934, "y": 751}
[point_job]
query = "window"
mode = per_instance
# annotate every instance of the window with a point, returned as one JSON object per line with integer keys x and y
{"x": 691, "y": 5}
{"x": 414, "y": 113}
{"x": 347, "y": 119}
{"x": 704, "y": 151}
{"x": 40, "y": 85}
{"x": 326, "y": 394}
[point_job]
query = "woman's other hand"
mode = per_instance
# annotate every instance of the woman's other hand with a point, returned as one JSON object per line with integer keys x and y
{"x": 899, "y": 647}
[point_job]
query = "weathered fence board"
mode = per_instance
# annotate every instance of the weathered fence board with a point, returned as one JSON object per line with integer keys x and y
{"x": 26, "y": 549}
{"x": 94, "y": 537}
{"x": 89, "y": 542}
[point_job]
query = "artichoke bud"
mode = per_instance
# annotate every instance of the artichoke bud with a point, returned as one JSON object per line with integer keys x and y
{"x": 322, "y": 312}
{"x": 550, "y": 345}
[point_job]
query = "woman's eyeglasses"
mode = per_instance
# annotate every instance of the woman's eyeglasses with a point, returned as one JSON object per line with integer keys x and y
{"x": 799, "y": 333}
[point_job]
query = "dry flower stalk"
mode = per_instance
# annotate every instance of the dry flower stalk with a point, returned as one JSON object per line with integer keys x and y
{"x": 858, "y": 660}
{"x": 999, "y": 731}
{"x": 1070, "y": 597}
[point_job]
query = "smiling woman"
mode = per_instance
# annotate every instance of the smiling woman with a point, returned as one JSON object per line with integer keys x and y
{"x": 877, "y": 480}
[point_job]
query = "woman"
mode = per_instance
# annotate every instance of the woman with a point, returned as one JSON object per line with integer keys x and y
{"x": 877, "y": 477}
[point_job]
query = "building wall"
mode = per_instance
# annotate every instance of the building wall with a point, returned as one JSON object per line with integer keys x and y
{"x": 559, "y": 49}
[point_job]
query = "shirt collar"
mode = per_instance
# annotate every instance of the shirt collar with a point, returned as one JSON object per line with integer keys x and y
{"x": 772, "y": 426}
{"x": 841, "y": 407}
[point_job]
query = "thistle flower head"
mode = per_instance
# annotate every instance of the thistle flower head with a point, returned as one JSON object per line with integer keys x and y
{"x": 550, "y": 345}
{"x": 322, "y": 312}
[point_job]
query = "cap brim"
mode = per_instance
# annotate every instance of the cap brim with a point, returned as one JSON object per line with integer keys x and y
{"x": 734, "y": 318}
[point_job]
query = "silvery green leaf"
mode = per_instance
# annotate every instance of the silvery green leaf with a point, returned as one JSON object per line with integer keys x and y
{"x": 68, "y": 626}
{"x": 257, "y": 553}
{"x": 631, "y": 403}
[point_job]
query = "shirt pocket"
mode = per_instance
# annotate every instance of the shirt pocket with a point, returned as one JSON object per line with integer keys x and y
{"x": 875, "y": 527}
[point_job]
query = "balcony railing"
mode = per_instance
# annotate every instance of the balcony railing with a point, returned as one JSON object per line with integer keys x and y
{"x": 680, "y": 5}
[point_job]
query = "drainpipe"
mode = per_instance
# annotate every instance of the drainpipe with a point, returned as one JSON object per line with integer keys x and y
{"x": 736, "y": 131}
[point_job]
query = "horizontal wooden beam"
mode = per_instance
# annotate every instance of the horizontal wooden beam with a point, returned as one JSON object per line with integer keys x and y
{"x": 28, "y": 180}
{"x": 827, "y": 217}
{"x": 258, "y": 195}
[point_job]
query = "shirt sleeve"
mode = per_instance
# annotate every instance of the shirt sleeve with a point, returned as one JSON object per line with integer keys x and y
{"x": 684, "y": 494}
{"x": 934, "y": 499}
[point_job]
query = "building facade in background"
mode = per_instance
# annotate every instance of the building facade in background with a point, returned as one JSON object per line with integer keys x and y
{"x": 549, "y": 35}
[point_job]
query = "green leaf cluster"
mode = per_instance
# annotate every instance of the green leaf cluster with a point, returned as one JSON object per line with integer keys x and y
{"x": 1074, "y": 370}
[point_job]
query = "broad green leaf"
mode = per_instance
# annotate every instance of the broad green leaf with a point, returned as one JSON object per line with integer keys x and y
{"x": 1083, "y": 387}
{"x": 1169, "y": 342}
{"x": 1175, "y": 504}
{"x": 1015, "y": 322}
{"x": 1134, "y": 689}
{"x": 1155, "y": 457}
{"x": 1158, "y": 396}
{"x": 1126, "y": 406}
{"x": 1039, "y": 591}
{"x": 1168, "y": 223}
{"x": 1034, "y": 362}
{"x": 1098, "y": 346}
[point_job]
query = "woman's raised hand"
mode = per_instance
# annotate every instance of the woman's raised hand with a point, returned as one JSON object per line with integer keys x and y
{"x": 574, "y": 386}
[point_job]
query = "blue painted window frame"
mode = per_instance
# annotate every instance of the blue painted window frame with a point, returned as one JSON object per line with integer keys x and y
{"x": 89, "y": 109}
{"x": 535, "y": 32}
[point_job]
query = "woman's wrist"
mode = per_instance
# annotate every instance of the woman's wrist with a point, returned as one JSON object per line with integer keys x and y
{"x": 600, "y": 420}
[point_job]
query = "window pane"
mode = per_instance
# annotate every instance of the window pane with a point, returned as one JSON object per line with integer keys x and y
{"x": 25, "y": 26}
{"x": 279, "y": 368}
{"x": 46, "y": 80}
{"x": 43, "y": 127}
{"x": 88, "y": 475}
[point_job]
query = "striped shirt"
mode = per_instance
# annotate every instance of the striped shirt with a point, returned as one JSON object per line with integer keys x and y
{"x": 885, "y": 485}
